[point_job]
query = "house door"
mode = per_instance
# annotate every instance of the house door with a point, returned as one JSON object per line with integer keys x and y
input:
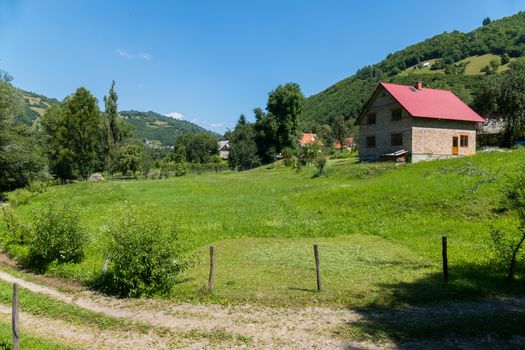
{"x": 454, "y": 145}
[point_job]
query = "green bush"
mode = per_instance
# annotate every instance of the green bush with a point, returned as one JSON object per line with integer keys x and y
{"x": 145, "y": 258}
{"x": 56, "y": 236}
{"x": 19, "y": 197}
{"x": 320, "y": 164}
{"x": 289, "y": 157}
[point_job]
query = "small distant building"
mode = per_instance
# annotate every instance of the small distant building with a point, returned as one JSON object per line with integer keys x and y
{"x": 224, "y": 149}
{"x": 348, "y": 145}
{"x": 416, "y": 123}
{"x": 309, "y": 138}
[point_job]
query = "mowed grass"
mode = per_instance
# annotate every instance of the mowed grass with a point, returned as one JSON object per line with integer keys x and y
{"x": 477, "y": 63}
{"x": 379, "y": 229}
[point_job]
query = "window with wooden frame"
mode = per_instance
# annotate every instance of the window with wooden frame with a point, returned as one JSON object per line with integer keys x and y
{"x": 396, "y": 114}
{"x": 463, "y": 141}
{"x": 371, "y": 118}
{"x": 370, "y": 142}
{"x": 396, "y": 139}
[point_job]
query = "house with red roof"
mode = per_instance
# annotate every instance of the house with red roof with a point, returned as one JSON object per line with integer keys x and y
{"x": 307, "y": 138}
{"x": 416, "y": 123}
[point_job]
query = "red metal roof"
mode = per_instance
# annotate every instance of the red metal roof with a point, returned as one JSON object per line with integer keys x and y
{"x": 432, "y": 103}
{"x": 308, "y": 138}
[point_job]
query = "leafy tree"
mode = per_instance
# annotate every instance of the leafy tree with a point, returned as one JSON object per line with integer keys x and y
{"x": 340, "y": 131}
{"x": 503, "y": 97}
{"x": 285, "y": 103}
{"x": 132, "y": 157}
{"x": 243, "y": 149}
{"x": 326, "y": 136}
{"x": 487, "y": 21}
{"x": 198, "y": 148}
{"x": 265, "y": 135}
{"x": 20, "y": 154}
{"x": 505, "y": 58}
{"x": 74, "y": 129}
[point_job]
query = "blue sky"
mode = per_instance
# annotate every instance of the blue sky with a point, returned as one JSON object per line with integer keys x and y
{"x": 213, "y": 60}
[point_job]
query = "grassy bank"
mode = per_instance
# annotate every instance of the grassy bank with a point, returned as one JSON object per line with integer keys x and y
{"x": 378, "y": 226}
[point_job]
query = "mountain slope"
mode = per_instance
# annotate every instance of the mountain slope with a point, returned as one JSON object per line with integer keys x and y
{"x": 149, "y": 126}
{"x": 154, "y": 127}
{"x": 445, "y": 51}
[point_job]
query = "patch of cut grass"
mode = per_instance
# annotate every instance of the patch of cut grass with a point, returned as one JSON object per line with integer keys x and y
{"x": 477, "y": 63}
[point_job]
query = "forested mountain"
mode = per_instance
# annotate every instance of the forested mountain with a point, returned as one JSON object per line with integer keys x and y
{"x": 156, "y": 129}
{"x": 455, "y": 61}
{"x": 160, "y": 129}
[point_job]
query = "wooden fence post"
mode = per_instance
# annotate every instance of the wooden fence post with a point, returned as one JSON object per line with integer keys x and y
{"x": 212, "y": 258}
{"x": 445, "y": 260}
{"x": 106, "y": 263}
{"x": 317, "y": 267}
{"x": 16, "y": 331}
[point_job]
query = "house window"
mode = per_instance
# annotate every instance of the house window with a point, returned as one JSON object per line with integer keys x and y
{"x": 396, "y": 139}
{"x": 370, "y": 141}
{"x": 396, "y": 114}
{"x": 463, "y": 140}
{"x": 371, "y": 118}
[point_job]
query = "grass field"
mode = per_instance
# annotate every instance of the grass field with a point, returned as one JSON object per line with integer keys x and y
{"x": 477, "y": 63}
{"x": 378, "y": 226}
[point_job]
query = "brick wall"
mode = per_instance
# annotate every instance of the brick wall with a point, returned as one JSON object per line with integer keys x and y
{"x": 384, "y": 127}
{"x": 423, "y": 138}
{"x": 432, "y": 138}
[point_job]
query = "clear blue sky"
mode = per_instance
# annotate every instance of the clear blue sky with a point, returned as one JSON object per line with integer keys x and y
{"x": 212, "y": 60}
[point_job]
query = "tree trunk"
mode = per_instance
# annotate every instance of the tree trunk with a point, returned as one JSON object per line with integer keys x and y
{"x": 512, "y": 266}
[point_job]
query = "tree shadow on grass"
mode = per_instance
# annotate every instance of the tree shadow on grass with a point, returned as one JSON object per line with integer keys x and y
{"x": 303, "y": 289}
{"x": 478, "y": 309}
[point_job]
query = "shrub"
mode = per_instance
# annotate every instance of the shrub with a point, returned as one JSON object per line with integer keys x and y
{"x": 289, "y": 157}
{"x": 56, "y": 236}
{"x": 19, "y": 197}
{"x": 508, "y": 243}
{"x": 320, "y": 164}
{"x": 145, "y": 258}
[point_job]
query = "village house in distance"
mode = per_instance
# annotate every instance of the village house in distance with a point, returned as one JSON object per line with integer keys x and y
{"x": 416, "y": 123}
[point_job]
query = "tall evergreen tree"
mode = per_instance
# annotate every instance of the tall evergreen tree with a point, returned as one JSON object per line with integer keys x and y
{"x": 110, "y": 102}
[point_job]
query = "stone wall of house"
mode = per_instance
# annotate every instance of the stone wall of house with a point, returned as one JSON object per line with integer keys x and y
{"x": 382, "y": 104}
{"x": 432, "y": 138}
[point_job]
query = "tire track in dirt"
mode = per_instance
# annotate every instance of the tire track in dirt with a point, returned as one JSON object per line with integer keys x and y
{"x": 297, "y": 328}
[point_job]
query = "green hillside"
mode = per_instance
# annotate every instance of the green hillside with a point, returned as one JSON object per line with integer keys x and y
{"x": 35, "y": 106}
{"x": 153, "y": 127}
{"x": 446, "y": 52}
{"x": 159, "y": 129}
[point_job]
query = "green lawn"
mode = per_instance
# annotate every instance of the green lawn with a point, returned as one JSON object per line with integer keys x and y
{"x": 379, "y": 229}
{"x": 476, "y": 63}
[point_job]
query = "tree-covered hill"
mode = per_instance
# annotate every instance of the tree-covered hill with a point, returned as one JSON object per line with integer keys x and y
{"x": 156, "y": 128}
{"x": 152, "y": 127}
{"x": 451, "y": 53}
{"x": 35, "y": 106}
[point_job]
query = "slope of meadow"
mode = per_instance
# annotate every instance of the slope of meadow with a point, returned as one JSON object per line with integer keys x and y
{"x": 379, "y": 228}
